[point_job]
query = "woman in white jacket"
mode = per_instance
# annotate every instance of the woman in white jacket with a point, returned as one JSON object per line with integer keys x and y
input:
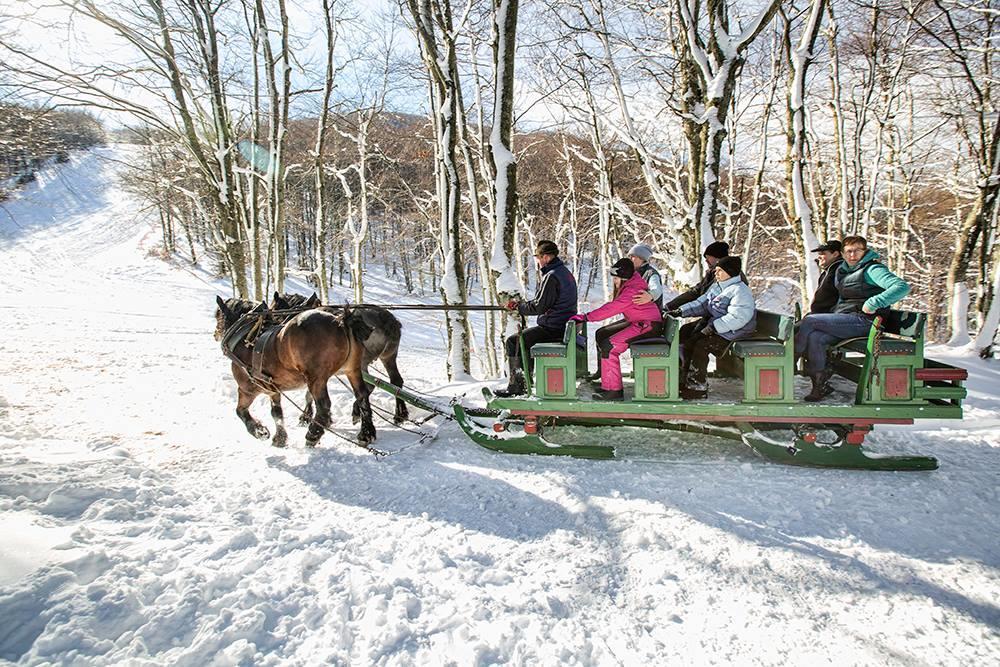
{"x": 727, "y": 311}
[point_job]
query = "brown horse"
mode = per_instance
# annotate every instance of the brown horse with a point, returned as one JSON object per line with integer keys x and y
{"x": 382, "y": 332}
{"x": 304, "y": 351}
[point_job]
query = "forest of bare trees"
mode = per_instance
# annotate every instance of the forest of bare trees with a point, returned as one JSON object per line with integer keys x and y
{"x": 31, "y": 136}
{"x": 439, "y": 142}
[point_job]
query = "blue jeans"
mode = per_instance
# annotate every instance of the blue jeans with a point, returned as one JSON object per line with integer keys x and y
{"x": 819, "y": 331}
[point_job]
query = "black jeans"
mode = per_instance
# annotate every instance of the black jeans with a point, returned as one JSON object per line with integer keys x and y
{"x": 531, "y": 336}
{"x": 694, "y": 356}
{"x": 601, "y": 337}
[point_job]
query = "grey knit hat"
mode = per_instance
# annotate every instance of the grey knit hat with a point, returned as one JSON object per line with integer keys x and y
{"x": 641, "y": 250}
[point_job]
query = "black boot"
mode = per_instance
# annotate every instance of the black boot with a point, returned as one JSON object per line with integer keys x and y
{"x": 820, "y": 386}
{"x": 515, "y": 385}
{"x": 609, "y": 395}
{"x": 693, "y": 389}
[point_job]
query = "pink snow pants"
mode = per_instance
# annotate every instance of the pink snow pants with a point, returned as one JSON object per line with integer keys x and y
{"x": 611, "y": 368}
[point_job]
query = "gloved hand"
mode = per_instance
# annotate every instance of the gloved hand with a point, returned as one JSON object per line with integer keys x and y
{"x": 883, "y": 313}
{"x": 579, "y": 317}
{"x": 674, "y": 312}
{"x": 707, "y": 330}
{"x": 512, "y": 304}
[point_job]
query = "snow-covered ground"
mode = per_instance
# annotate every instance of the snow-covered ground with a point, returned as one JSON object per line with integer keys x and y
{"x": 141, "y": 524}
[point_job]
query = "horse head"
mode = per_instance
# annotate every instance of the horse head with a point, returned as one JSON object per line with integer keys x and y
{"x": 287, "y": 300}
{"x": 231, "y": 310}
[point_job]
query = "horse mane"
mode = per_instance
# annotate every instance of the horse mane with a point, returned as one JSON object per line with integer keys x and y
{"x": 353, "y": 320}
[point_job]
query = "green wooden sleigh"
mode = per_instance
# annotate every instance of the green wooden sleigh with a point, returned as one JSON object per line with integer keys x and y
{"x": 892, "y": 382}
{"x": 755, "y": 396}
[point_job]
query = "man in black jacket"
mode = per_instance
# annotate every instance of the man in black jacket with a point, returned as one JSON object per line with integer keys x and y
{"x": 554, "y": 304}
{"x": 713, "y": 253}
{"x": 829, "y": 260}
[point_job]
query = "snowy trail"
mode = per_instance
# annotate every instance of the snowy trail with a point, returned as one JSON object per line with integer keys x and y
{"x": 144, "y": 526}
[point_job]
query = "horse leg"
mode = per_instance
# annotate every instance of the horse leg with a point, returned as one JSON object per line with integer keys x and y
{"x": 361, "y": 391}
{"x": 389, "y": 362}
{"x": 254, "y": 427}
{"x": 307, "y": 413}
{"x": 280, "y": 435}
{"x": 320, "y": 394}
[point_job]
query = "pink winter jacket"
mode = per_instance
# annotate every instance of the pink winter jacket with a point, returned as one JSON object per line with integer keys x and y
{"x": 622, "y": 304}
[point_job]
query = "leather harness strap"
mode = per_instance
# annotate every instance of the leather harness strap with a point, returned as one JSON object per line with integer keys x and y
{"x": 264, "y": 340}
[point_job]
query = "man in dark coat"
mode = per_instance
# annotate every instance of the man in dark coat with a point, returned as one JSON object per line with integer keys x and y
{"x": 554, "y": 303}
{"x": 713, "y": 253}
{"x": 829, "y": 260}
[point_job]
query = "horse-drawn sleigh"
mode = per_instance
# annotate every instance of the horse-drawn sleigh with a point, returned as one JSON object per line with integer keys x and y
{"x": 883, "y": 379}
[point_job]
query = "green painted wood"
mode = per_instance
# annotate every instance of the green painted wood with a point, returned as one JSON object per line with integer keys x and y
{"x": 752, "y": 411}
{"x": 524, "y": 363}
{"x": 770, "y": 348}
{"x": 524, "y": 443}
{"x": 557, "y": 356}
{"x": 952, "y": 393}
{"x": 842, "y": 455}
{"x": 401, "y": 392}
{"x": 656, "y": 357}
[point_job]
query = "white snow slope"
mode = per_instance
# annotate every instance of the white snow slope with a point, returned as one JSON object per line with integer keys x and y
{"x": 141, "y": 524}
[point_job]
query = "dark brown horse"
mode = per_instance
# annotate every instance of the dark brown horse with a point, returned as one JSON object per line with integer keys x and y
{"x": 304, "y": 351}
{"x": 381, "y": 331}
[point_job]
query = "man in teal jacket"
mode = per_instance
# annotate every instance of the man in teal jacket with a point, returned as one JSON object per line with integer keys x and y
{"x": 864, "y": 286}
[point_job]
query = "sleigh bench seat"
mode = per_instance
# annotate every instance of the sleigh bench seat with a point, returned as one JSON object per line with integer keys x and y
{"x": 899, "y": 373}
{"x": 766, "y": 359}
{"x": 656, "y": 364}
{"x": 558, "y": 364}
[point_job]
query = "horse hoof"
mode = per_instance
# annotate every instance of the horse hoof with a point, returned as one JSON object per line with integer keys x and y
{"x": 279, "y": 442}
{"x": 261, "y": 433}
{"x": 310, "y": 443}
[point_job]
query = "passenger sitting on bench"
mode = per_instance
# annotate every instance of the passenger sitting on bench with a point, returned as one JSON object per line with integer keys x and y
{"x": 864, "y": 286}
{"x": 727, "y": 312}
{"x": 640, "y": 254}
{"x": 554, "y": 302}
{"x": 641, "y": 319}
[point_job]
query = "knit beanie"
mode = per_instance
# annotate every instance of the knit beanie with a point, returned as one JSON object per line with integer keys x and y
{"x": 623, "y": 268}
{"x": 642, "y": 251}
{"x": 718, "y": 249}
{"x": 731, "y": 265}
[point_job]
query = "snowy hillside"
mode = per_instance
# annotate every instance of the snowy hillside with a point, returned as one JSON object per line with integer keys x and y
{"x": 142, "y": 525}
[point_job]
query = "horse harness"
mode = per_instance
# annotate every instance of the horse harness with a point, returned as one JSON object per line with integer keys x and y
{"x": 258, "y": 330}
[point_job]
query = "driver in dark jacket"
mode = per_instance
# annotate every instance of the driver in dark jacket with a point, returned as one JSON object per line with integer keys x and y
{"x": 554, "y": 303}
{"x": 829, "y": 260}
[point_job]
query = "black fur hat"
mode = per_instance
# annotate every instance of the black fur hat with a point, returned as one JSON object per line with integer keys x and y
{"x": 623, "y": 268}
{"x": 718, "y": 249}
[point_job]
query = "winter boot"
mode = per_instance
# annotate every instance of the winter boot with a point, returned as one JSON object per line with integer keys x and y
{"x": 609, "y": 395}
{"x": 694, "y": 390}
{"x": 516, "y": 384}
{"x": 820, "y": 386}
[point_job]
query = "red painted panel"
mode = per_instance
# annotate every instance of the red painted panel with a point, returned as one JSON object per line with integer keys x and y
{"x": 656, "y": 381}
{"x": 941, "y": 374}
{"x": 769, "y": 383}
{"x": 897, "y": 383}
{"x": 555, "y": 381}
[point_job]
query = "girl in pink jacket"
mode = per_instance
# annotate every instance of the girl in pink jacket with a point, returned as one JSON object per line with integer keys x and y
{"x": 641, "y": 318}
